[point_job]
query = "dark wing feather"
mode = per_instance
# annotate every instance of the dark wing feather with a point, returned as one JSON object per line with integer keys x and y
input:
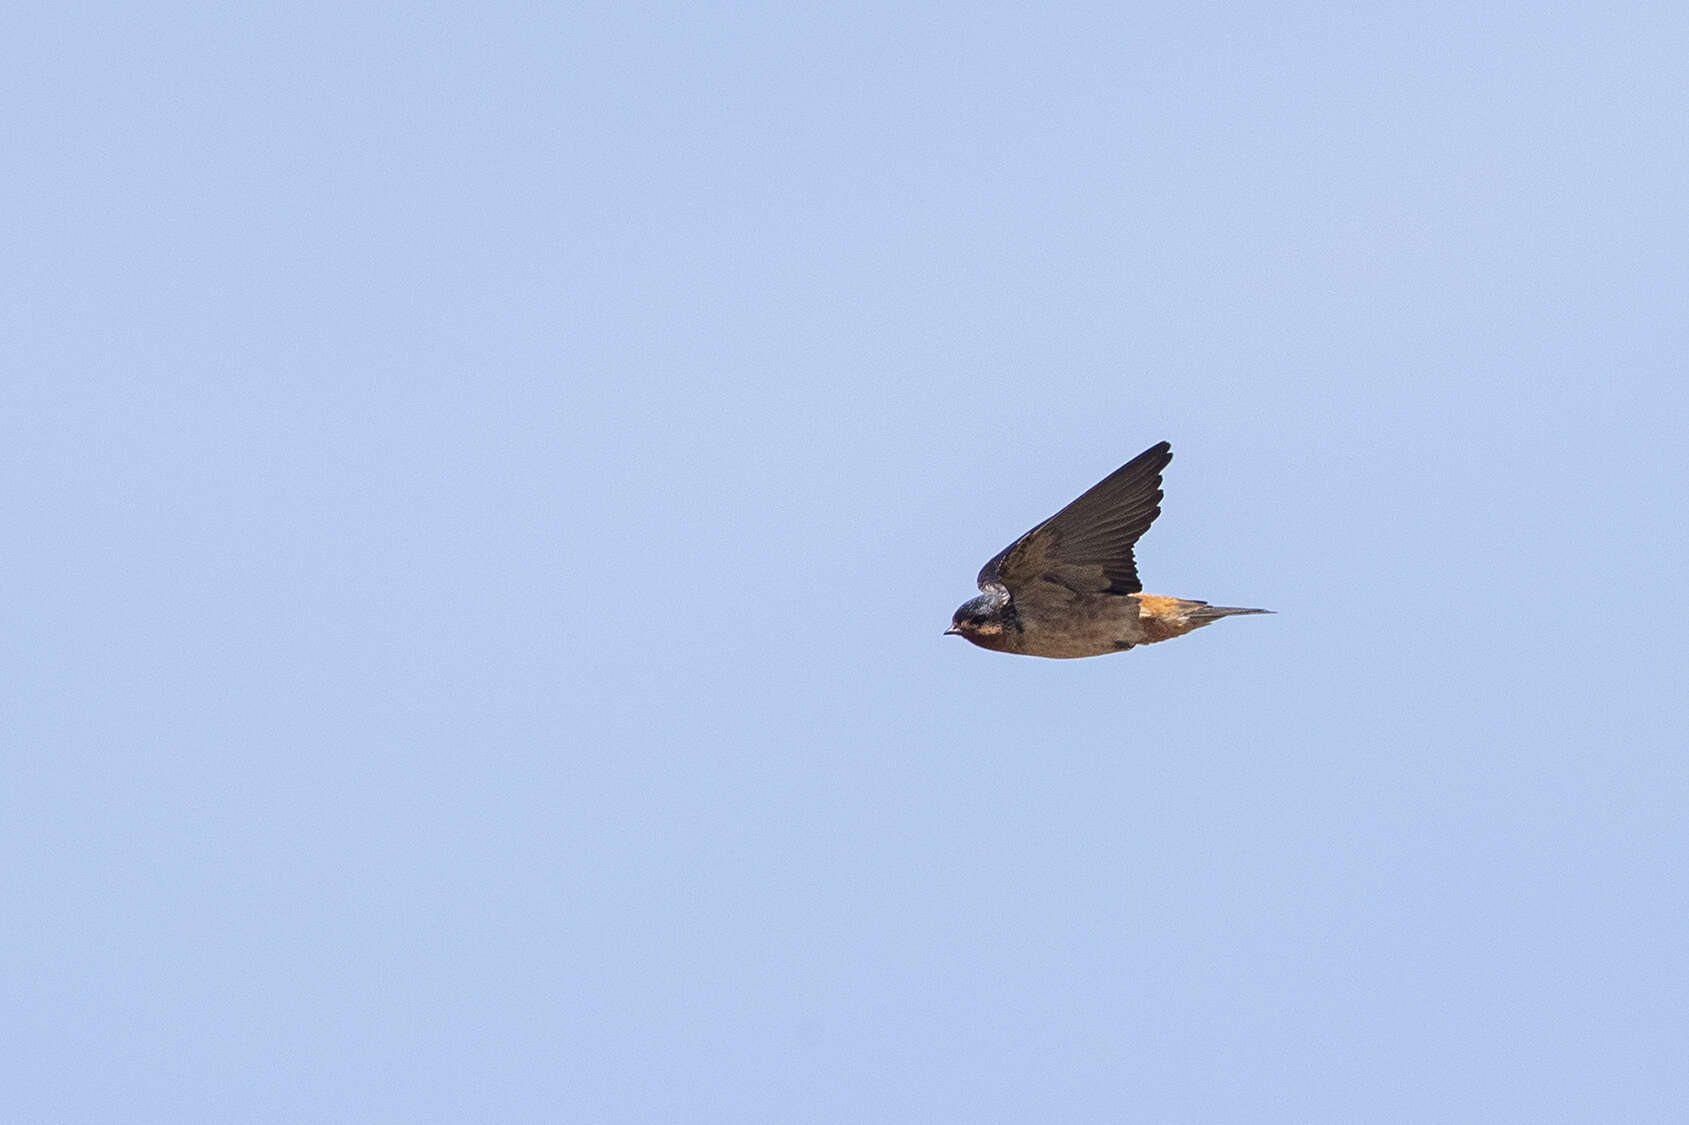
{"x": 1087, "y": 546}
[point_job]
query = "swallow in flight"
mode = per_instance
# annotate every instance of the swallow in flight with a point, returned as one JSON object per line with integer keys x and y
{"x": 1069, "y": 587}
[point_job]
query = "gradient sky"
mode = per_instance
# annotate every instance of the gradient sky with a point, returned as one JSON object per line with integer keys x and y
{"x": 486, "y": 485}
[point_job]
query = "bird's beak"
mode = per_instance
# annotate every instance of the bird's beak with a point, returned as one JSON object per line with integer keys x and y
{"x": 952, "y": 632}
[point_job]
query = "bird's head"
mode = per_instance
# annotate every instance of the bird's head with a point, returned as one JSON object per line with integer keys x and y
{"x": 980, "y": 619}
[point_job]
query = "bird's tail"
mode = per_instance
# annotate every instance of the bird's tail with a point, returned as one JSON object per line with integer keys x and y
{"x": 1207, "y": 611}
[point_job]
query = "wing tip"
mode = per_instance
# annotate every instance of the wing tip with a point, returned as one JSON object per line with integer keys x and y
{"x": 1150, "y": 461}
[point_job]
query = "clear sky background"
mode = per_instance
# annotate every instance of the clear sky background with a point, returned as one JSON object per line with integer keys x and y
{"x": 485, "y": 486}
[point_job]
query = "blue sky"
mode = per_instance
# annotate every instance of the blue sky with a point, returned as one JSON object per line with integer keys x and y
{"x": 487, "y": 485}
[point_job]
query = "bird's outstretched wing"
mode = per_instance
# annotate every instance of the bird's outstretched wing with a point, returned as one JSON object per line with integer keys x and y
{"x": 1087, "y": 546}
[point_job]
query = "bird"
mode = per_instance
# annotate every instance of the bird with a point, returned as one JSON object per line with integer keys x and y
{"x": 1069, "y": 587}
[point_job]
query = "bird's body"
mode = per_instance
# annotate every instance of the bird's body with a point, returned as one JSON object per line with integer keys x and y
{"x": 1069, "y": 587}
{"x": 1094, "y": 626}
